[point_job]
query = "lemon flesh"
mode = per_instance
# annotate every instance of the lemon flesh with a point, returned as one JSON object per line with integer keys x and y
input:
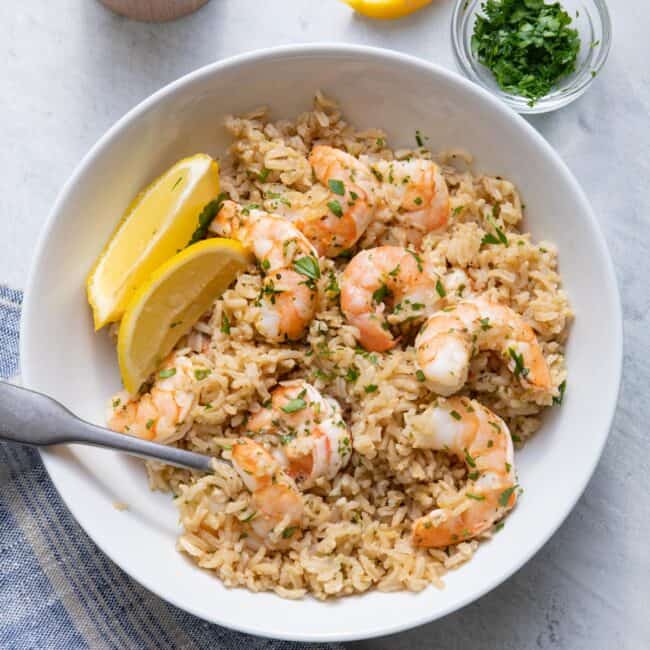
{"x": 171, "y": 301}
{"x": 159, "y": 222}
{"x": 386, "y": 9}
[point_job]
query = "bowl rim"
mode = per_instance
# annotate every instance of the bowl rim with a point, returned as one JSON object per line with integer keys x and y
{"x": 314, "y": 50}
{"x": 546, "y": 104}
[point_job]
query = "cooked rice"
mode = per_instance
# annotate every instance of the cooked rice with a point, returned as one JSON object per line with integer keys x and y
{"x": 357, "y": 527}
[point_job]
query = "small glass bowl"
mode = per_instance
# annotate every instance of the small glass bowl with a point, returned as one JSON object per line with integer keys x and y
{"x": 590, "y": 18}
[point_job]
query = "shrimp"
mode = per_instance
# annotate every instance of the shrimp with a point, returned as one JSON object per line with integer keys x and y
{"x": 316, "y": 442}
{"x": 339, "y": 222}
{"x": 376, "y": 274}
{"x": 448, "y": 340}
{"x": 415, "y": 191}
{"x": 161, "y": 414}
{"x": 473, "y": 433}
{"x": 276, "y": 502}
{"x": 288, "y": 299}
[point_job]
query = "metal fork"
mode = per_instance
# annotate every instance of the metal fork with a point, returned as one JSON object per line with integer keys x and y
{"x": 32, "y": 418}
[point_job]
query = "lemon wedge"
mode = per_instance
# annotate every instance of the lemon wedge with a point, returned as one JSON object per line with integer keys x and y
{"x": 166, "y": 306}
{"x": 386, "y": 9}
{"x": 159, "y": 222}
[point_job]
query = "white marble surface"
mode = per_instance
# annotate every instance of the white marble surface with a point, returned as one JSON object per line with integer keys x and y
{"x": 69, "y": 69}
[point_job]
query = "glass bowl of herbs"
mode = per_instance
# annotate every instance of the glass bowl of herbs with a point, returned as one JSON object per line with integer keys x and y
{"x": 535, "y": 55}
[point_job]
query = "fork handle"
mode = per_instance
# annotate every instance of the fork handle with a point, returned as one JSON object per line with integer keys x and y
{"x": 31, "y": 418}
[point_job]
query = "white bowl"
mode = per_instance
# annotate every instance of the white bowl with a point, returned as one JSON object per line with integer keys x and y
{"x": 62, "y": 356}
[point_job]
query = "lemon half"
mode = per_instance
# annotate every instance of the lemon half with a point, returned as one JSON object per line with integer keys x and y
{"x": 386, "y": 9}
{"x": 166, "y": 306}
{"x": 158, "y": 223}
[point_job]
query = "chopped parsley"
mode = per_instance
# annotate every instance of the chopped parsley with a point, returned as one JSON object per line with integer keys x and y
{"x": 263, "y": 175}
{"x": 419, "y": 138}
{"x": 370, "y": 388}
{"x": 485, "y": 324}
{"x": 560, "y": 398}
{"x": 352, "y": 374}
{"x": 296, "y": 404}
{"x": 308, "y": 266}
{"x": 456, "y": 415}
{"x": 225, "y": 323}
{"x": 265, "y": 264}
{"x": 499, "y": 238}
{"x": 333, "y": 285}
{"x": 476, "y": 497}
{"x": 420, "y": 375}
{"x": 378, "y": 295}
{"x": 527, "y": 44}
{"x": 468, "y": 459}
{"x": 201, "y": 373}
{"x": 520, "y": 370}
{"x": 149, "y": 424}
{"x": 206, "y": 216}
{"x": 288, "y": 532}
{"x": 457, "y": 210}
{"x": 335, "y": 207}
{"x": 336, "y": 186}
{"x": 168, "y": 372}
{"x": 417, "y": 259}
{"x": 116, "y": 402}
{"x": 417, "y": 200}
{"x": 504, "y": 497}
{"x": 440, "y": 289}
{"x": 287, "y": 438}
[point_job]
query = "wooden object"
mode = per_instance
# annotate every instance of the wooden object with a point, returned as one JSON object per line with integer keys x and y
{"x": 154, "y": 10}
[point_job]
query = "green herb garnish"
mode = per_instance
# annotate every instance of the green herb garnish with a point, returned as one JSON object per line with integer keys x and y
{"x": 520, "y": 369}
{"x": 560, "y": 398}
{"x": 420, "y": 375}
{"x": 371, "y": 388}
{"x": 505, "y": 496}
{"x": 201, "y": 373}
{"x": 468, "y": 459}
{"x": 378, "y": 295}
{"x": 440, "y": 289}
{"x": 336, "y": 186}
{"x": 288, "y": 532}
{"x": 225, "y": 323}
{"x": 293, "y": 405}
{"x": 308, "y": 266}
{"x": 335, "y": 207}
{"x": 168, "y": 372}
{"x": 499, "y": 238}
{"x": 206, "y": 216}
{"x": 352, "y": 374}
{"x": 527, "y": 44}
{"x": 476, "y": 497}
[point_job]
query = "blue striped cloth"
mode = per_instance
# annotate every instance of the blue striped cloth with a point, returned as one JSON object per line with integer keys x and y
{"x": 57, "y": 589}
